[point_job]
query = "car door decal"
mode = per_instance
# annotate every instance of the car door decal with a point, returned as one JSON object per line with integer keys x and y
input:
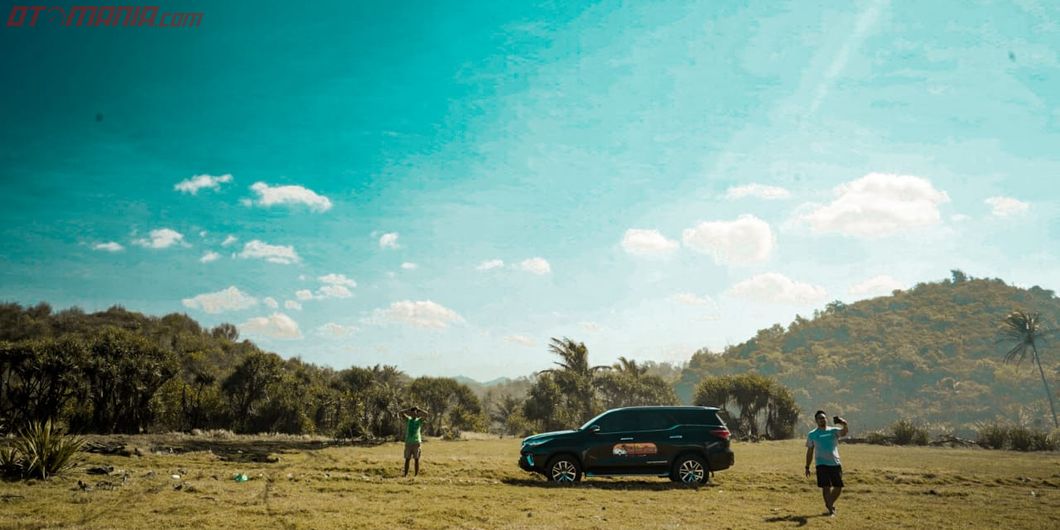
{"x": 634, "y": 449}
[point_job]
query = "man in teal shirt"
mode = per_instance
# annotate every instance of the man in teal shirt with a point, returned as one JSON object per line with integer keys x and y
{"x": 413, "y": 421}
{"x": 822, "y": 447}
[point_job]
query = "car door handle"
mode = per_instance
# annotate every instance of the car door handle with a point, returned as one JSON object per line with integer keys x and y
{"x": 625, "y": 439}
{"x": 676, "y": 437}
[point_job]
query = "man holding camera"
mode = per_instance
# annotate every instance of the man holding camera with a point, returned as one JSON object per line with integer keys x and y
{"x": 822, "y": 447}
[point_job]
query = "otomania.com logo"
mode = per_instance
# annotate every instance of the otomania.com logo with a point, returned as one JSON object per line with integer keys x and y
{"x": 93, "y": 16}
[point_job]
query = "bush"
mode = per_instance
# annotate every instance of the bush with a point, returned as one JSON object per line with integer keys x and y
{"x": 992, "y": 435}
{"x": 908, "y": 433}
{"x": 1021, "y": 438}
{"x": 40, "y": 451}
{"x": 878, "y": 438}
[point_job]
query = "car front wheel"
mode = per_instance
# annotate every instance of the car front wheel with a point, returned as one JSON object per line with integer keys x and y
{"x": 690, "y": 469}
{"x": 564, "y": 470}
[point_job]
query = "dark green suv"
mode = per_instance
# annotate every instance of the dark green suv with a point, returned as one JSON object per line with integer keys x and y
{"x": 683, "y": 443}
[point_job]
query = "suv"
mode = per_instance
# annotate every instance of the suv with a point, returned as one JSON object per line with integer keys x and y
{"x": 683, "y": 443}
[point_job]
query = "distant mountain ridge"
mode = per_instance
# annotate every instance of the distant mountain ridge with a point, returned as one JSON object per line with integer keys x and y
{"x": 930, "y": 353}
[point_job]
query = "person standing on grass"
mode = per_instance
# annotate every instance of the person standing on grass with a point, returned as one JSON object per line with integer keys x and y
{"x": 413, "y": 421}
{"x": 822, "y": 447}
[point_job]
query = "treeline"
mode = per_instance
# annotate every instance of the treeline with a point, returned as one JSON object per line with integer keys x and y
{"x": 933, "y": 354}
{"x": 118, "y": 371}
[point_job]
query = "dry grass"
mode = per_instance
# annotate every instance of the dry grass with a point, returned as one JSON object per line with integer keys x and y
{"x": 476, "y": 484}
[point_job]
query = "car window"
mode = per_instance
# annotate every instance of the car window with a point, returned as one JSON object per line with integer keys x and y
{"x": 696, "y": 417}
{"x": 618, "y": 421}
{"x": 653, "y": 420}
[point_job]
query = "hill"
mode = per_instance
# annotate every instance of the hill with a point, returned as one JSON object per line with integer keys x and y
{"x": 930, "y": 353}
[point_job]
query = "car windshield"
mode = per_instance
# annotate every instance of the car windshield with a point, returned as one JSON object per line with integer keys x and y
{"x": 592, "y": 421}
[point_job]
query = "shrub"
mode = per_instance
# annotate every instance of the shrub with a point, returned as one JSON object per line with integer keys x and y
{"x": 1021, "y": 438}
{"x": 906, "y": 432}
{"x": 40, "y": 451}
{"x": 878, "y": 438}
{"x": 992, "y": 435}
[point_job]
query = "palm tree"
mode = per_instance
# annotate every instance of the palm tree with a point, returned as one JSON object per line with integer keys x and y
{"x": 1026, "y": 330}
{"x": 575, "y": 376}
{"x": 630, "y": 367}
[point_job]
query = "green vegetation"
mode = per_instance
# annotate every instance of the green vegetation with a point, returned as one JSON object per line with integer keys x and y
{"x": 756, "y": 406}
{"x": 1025, "y": 331}
{"x": 929, "y": 354}
{"x": 475, "y": 484}
{"x": 39, "y": 451}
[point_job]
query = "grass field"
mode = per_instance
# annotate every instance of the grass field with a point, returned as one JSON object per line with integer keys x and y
{"x": 476, "y": 484}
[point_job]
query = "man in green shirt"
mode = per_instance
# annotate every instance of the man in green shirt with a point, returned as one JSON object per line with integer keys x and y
{"x": 413, "y": 421}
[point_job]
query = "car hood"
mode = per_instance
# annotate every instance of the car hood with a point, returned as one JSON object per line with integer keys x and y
{"x": 547, "y": 436}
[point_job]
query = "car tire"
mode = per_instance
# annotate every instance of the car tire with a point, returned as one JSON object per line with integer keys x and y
{"x": 690, "y": 469}
{"x": 564, "y": 469}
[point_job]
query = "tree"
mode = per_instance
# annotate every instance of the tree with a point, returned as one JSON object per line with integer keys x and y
{"x": 759, "y": 406}
{"x": 250, "y": 383}
{"x": 1025, "y": 331}
{"x": 575, "y": 377}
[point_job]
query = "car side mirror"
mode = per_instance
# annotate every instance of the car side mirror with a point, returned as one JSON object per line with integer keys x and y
{"x": 594, "y": 429}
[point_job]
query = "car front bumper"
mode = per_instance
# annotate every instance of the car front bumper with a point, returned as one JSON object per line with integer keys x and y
{"x": 527, "y": 462}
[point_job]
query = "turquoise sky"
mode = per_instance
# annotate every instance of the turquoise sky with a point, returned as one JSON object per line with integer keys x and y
{"x": 445, "y": 185}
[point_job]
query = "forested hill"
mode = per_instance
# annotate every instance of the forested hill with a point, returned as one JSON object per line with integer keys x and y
{"x": 931, "y": 353}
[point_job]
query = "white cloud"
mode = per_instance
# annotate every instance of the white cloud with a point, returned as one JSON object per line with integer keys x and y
{"x": 424, "y": 314}
{"x": 591, "y": 327}
{"x": 230, "y": 299}
{"x": 274, "y": 195}
{"x": 161, "y": 238}
{"x": 757, "y": 190}
{"x": 490, "y": 264}
{"x": 692, "y": 299}
{"x": 408, "y": 266}
{"x": 744, "y": 241}
{"x": 271, "y": 302}
{"x": 229, "y": 240}
{"x": 284, "y": 255}
{"x": 276, "y": 326}
{"x": 388, "y": 240}
{"x": 882, "y": 284}
{"x": 337, "y": 279}
{"x": 334, "y": 291}
{"x": 332, "y": 329}
{"x": 209, "y": 256}
{"x": 535, "y": 265}
{"x": 198, "y": 182}
{"x": 1006, "y": 206}
{"x": 202, "y": 233}
{"x": 877, "y": 205}
{"x": 109, "y": 247}
{"x": 776, "y": 288}
{"x": 291, "y": 304}
{"x": 643, "y": 242}
{"x": 521, "y": 340}
{"x": 304, "y": 294}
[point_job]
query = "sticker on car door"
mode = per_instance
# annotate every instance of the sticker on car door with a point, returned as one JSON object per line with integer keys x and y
{"x": 635, "y": 449}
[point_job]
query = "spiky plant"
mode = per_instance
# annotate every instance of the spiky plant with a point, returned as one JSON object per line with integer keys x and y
{"x": 1025, "y": 331}
{"x": 40, "y": 451}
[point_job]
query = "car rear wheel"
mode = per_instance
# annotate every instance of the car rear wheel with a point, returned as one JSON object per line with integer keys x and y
{"x": 690, "y": 469}
{"x": 564, "y": 470}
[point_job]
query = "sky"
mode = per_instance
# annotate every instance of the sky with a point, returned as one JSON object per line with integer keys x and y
{"x": 444, "y": 186}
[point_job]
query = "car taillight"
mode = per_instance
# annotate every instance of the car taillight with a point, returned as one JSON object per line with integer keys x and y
{"x": 722, "y": 433}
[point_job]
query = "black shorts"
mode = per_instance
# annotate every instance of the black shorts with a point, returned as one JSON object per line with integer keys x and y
{"x": 829, "y": 476}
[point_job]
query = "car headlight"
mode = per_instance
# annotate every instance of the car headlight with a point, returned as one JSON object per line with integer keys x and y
{"x": 534, "y": 443}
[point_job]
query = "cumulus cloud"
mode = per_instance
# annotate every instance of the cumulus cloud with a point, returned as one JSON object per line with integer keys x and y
{"x": 333, "y": 291}
{"x": 878, "y": 204}
{"x": 198, "y": 182}
{"x": 692, "y": 299}
{"x": 757, "y": 190}
{"x": 591, "y": 327}
{"x": 408, "y": 265}
{"x": 111, "y": 246}
{"x": 276, "y": 326}
{"x": 1006, "y": 206}
{"x": 776, "y": 288}
{"x": 490, "y": 264}
{"x": 271, "y": 302}
{"x": 304, "y": 294}
{"x": 229, "y": 240}
{"x": 744, "y": 241}
{"x": 423, "y": 313}
{"x": 284, "y": 255}
{"x": 882, "y": 284}
{"x": 522, "y": 340}
{"x": 332, "y": 329}
{"x": 337, "y": 279}
{"x": 291, "y": 304}
{"x": 537, "y": 266}
{"x": 284, "y": 195}
{"x": 388, "y": 240}
{"x": 209, "y": 256}
{"x": 161, "y": 238}
{"x": 644, "y": 242}
{"x": 230, "y": 299}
